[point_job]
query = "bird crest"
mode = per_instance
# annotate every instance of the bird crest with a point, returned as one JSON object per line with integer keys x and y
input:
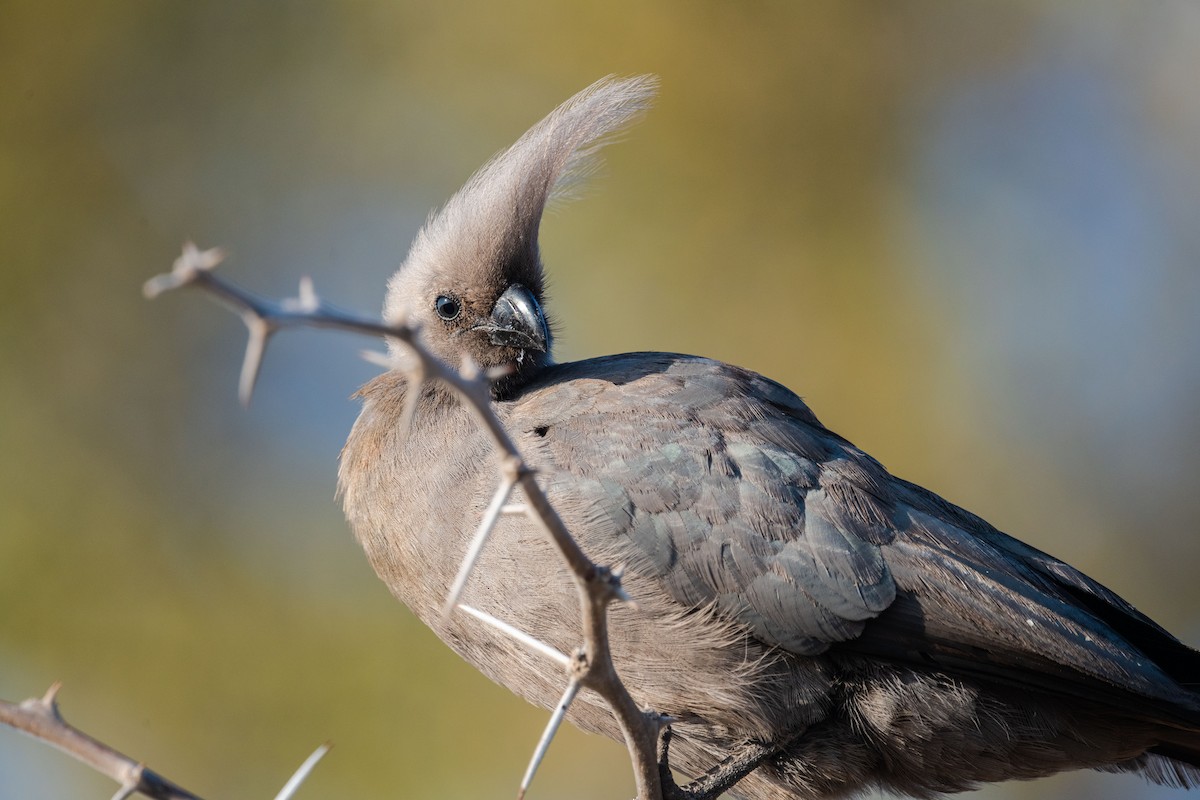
{"x": 488, "y": 231}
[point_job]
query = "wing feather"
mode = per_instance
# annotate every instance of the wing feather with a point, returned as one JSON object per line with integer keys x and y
{"x": 723, "y": 487}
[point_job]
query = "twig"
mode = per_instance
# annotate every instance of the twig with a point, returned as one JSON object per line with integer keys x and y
{"x": 39, "y": 717}
{"x": 263, "y": 318}
{"x": 598, "y": 586}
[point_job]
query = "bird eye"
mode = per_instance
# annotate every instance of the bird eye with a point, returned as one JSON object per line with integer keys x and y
{"x": 447, "y": 307}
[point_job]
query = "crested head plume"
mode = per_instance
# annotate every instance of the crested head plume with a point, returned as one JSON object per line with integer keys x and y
{"x": 492, "y": 221}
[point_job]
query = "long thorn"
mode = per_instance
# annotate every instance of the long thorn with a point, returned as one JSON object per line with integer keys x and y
{"x": 377, "y": 358}
{"x": 256, "y": 346}
{"x": 302, "y": 773}
{"x": 50, "y": 698}
{"x": 552, "y": 726}
{"x": 486, "y": 526}
{"x": 412, "y": 396}
{"x": 518, "y": 634}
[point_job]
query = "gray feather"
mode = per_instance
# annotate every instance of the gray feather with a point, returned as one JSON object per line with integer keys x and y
{"x": 789, "y": 588}
{"x": 496, "y": 214}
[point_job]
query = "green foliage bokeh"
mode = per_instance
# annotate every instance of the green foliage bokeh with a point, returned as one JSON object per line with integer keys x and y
{"x": 182, "y": 565}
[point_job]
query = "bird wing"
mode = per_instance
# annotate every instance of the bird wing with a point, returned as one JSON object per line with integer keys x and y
{"x": 725, "y": 488}
{"x": 974, "y": 600}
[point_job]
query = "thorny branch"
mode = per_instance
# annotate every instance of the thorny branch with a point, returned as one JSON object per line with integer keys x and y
{"x": 40, "y": 718}
{"x": 591, "y": 666}
{"x": 647, "y": 733}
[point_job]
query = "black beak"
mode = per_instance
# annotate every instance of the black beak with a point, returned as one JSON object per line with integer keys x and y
{"x": 517, "y": 321}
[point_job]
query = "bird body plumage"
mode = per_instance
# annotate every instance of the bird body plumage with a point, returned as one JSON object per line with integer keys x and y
{"x": 789, "y": 588}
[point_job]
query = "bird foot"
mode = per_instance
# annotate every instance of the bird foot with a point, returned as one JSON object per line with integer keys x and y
{"x": 737, "y": 765}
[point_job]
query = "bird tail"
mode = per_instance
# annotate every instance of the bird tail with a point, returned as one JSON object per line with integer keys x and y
{"x": 1169, "y": 764}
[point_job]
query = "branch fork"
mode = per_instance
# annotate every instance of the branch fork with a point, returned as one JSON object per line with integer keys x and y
{"x": 592, "y": 665}
{"x": 647, "y": 733}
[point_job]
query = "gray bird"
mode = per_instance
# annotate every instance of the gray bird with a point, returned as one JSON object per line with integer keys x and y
{"x": 790, "y": 590}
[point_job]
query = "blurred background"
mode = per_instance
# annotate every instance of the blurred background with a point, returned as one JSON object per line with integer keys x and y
{"x": 967, "y": 233}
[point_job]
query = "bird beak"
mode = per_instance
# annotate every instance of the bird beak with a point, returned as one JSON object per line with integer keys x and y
{"x": 517, "y": 321}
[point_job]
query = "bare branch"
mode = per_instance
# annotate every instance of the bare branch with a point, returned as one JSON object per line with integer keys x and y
{"x": 39, "y": 717}
{"x": 264, "y": 317}
{"x": 598, "y": 586}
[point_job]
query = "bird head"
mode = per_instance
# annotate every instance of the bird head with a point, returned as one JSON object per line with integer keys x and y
{"x": 472, "y": 282}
